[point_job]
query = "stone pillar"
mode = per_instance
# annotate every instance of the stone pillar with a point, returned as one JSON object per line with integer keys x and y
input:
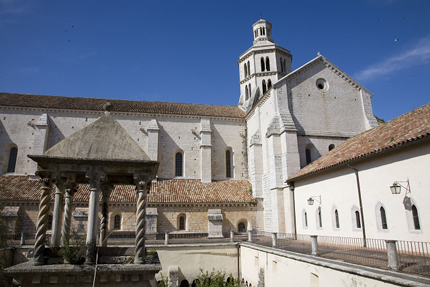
{"x": 393, "y": 262}
{"x": 42, "y": 219}
{"x": 249, "y": 236}
{"x": 173, "y": 276}
{"x": 153, "y": 139}
{"x": 231, "y": 236}
{"x": 143, "y": 184}
{"x": 95, "y": 178}
{"x": 206, "y": 150}
{"x": 67, "y": 216}
{"x": 41, "y": 135}
{"x": 166, "y": 238}
{"x": 58, "y": 212}
{"x": 104, "y": 224}
{"x": 274, "y": 240}
{"x": 314, "y": 241}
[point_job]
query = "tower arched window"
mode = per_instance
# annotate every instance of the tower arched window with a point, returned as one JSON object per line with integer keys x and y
{"x": 357, "y": 219}
{"x": 267, "y": 64}
{"x": 262, "y": 64}
{"x": 336, "y": 217}
{"x": 245, "y": 70}
{"x": 264, "y": 86}
{"x": 249, "y": 90}
{"x": 308, "y": 156}
{"x": 181, "y": 222}
{"x": 246, "y": 93}
{"x": 117, "y": 222}
{"x": 282, "y": 65}
{"x": 269, "y": 84}
{"x": 383, "y": 218}
{"x": 249, "y": 69}
{"x": 179, "y": 164}
{"x": 228, "y": 163}
{"x": 13, "y": 154}
{"x": 416, "y": 218}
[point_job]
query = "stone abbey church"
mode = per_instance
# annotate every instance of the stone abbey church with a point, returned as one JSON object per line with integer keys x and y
{"x": 220, "y": 169}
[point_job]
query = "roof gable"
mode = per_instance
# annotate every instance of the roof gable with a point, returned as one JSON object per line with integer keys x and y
{"x": 408, "y": 128}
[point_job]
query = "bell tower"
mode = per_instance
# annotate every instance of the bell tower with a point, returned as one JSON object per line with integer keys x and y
{"x": 261, "y": 66}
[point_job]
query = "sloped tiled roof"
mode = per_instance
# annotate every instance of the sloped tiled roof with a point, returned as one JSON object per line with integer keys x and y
{"x": 91, "y": 104}
{"x": 408, "y": 128}
{"x": 22, "y": 188}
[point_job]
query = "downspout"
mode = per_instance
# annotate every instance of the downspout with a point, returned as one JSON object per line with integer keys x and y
{"x": 361, "y": 204}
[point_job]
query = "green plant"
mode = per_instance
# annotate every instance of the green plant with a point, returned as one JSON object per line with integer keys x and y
{"x": 164, "y": 282}
{"x": 74, "y": 249}
{"x": 216, "y": 279}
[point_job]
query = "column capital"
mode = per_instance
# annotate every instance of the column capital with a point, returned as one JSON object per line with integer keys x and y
{"x": 95, "y": 177}
{"x": 45, "y": 177}
{"x": 142, "y": 181}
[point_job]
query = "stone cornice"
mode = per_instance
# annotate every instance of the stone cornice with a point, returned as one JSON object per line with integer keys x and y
{"x": 261, "y": 74}
{"x": 254, "y": 50}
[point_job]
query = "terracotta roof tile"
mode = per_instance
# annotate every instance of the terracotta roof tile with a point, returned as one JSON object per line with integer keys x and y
{"x": 398, "y": 132}
{"x": 73, "y": 103}
{"x": 23, "y": 188}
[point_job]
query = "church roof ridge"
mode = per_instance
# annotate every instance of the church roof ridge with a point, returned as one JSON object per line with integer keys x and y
{"x": 119, "y": 105}
{"x": 399, "y": 132}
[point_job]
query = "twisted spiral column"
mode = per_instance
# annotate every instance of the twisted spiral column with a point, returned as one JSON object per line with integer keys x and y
{"x": 104, "y": 223}
{"x": 67, "y": 217}
{"x": 143, "y": 186}
{"x": 42, "y": 221}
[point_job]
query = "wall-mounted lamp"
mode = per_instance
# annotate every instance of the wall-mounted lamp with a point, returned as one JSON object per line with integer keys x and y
{"x": 312, "y": 199}
{"x": 396, "y": 188}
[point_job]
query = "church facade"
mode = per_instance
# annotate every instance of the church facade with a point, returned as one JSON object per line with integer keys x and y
{"x": 221, "y": 168}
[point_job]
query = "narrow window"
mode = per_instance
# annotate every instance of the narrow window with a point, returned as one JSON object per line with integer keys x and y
{"x": 178, "y": 164}
{"x": 12, "y": 159}
{"x": 269, "y": 84}
{"x": 357, "y": 219}
{"x": 228, "y": 163}
{"x": 336, "y": 217}
{"x": 308, "y": 156}
{"x": 306, "y": 219}
{"x": 282, "y": 65}
{"x": 264, "y": 87}
{"x": 319, "y": 217}
{"x": 330, "y": 147}
{"x": 267, "y": 64}
{"x": 249, "y": 69}
{"x": 182, "y": 222}
{"x": 416, "y": 218}
{"x": 264, "y": 31}
{"x": 245, "y": 70}
{"x": 241, "y": 227}
{"x": 249, "y": 89}
{"x": 117, "y": 222}
{"x": 246, "y": 93}
{"x": 49, "y": 224}
{"x": 262, "y": 64}
{"x": 383, "y": 218}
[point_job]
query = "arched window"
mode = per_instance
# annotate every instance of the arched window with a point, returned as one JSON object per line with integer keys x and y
{"x": 241, "y": 227}
{"x": 246, "y": 93}
{"x": 336, "y": 217}
{"x": 249, "y": 89}
{"x": 267, "y": 64}
{"x": 269, "y": 84}
{"x": 383, "y": 218}
{"x": 228, "y": 163}
{"x": 49, "y": 224}
{"x": 357, "y": 219}
{"x": 262, "y": 64}
{"x": 184, "y": 283}
{"x": 330, "y": 147}
{"x": 319, "y": 217}
{"x": 282, "y": 65}
{"x": 13, "y": 153}
{"x": 181, "y": 222}
{"x": 305, "y": 215}
{"x": 264, "y": 86}
{"x": 415, "y": 218}
{"x": 117, "y": 222}
{"x": 249, "y": 69}
{"x": 308, "y": 156}
{"x": 178, "y": 164}
{"x": 245, "y": 70}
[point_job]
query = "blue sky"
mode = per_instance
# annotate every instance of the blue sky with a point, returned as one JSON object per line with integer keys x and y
{"x": 187, "y": 51}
